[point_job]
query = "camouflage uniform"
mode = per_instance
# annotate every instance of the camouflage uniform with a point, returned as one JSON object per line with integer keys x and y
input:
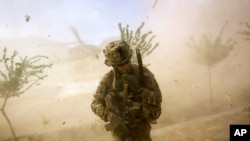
{"x": 138, "y": 110}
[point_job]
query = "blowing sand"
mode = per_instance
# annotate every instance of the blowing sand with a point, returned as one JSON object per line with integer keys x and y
{"x": 59, "y": 108}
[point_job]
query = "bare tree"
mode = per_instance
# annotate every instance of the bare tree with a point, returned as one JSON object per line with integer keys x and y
{"x": 246, "y": 32}
{"x": 17, "y": 77}
{"x": 209, "y": 52}
{"x": 137, "y": 39}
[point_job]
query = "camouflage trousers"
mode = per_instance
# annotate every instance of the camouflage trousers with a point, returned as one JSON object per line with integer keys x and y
{"x": 138, "y": 132}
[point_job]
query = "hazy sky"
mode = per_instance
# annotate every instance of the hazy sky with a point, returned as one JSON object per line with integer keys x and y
{"x": 95, "y": 20}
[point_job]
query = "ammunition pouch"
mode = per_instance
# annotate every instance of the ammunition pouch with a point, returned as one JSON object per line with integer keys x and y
{"x": 132, "y": 112}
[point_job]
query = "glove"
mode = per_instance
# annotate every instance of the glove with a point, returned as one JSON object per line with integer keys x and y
{"x": 116, "y": 101}
{"x": 116, "y": 120}
{"x": 131, "y": 81}
{"x": 118, "y": 125}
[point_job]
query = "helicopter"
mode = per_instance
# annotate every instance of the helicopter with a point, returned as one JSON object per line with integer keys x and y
{"x": 80, "y": 49}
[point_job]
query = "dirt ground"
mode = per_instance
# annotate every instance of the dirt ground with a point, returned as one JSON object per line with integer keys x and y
{"x": 59, "y": 108}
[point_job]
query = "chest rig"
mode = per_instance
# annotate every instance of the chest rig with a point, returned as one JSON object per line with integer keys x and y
{"x": 122, "y": 101}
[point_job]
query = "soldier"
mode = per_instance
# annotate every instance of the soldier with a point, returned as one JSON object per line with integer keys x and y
{"x": 128, "y": 107}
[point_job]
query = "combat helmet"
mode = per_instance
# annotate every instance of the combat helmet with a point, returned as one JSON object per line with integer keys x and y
{"x": 117, "y": 52}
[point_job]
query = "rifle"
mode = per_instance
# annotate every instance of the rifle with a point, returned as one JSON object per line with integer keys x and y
{"x": 141, "y": 75}
{"x": 109, "y": 126}
{"x": 139, "y": 60}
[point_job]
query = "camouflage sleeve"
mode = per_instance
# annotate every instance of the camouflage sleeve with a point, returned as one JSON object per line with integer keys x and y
{"x": 151, "y": 92}
{"x": 98, "y": 104}
{"x": 151, "y": 96}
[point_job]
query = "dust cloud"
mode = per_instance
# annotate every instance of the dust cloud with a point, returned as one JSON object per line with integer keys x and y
{"x": 59, "y": 108}
{"x": 185, "y": 84}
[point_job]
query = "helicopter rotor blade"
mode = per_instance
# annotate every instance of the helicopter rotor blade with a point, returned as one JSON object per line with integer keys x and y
{"x": 75, "y": 32}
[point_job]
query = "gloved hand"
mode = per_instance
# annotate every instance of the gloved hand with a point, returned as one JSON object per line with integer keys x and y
{"x": 116, "y": 120}
{"x": 131, "y": 81}
{"x": 119, "y": 126}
